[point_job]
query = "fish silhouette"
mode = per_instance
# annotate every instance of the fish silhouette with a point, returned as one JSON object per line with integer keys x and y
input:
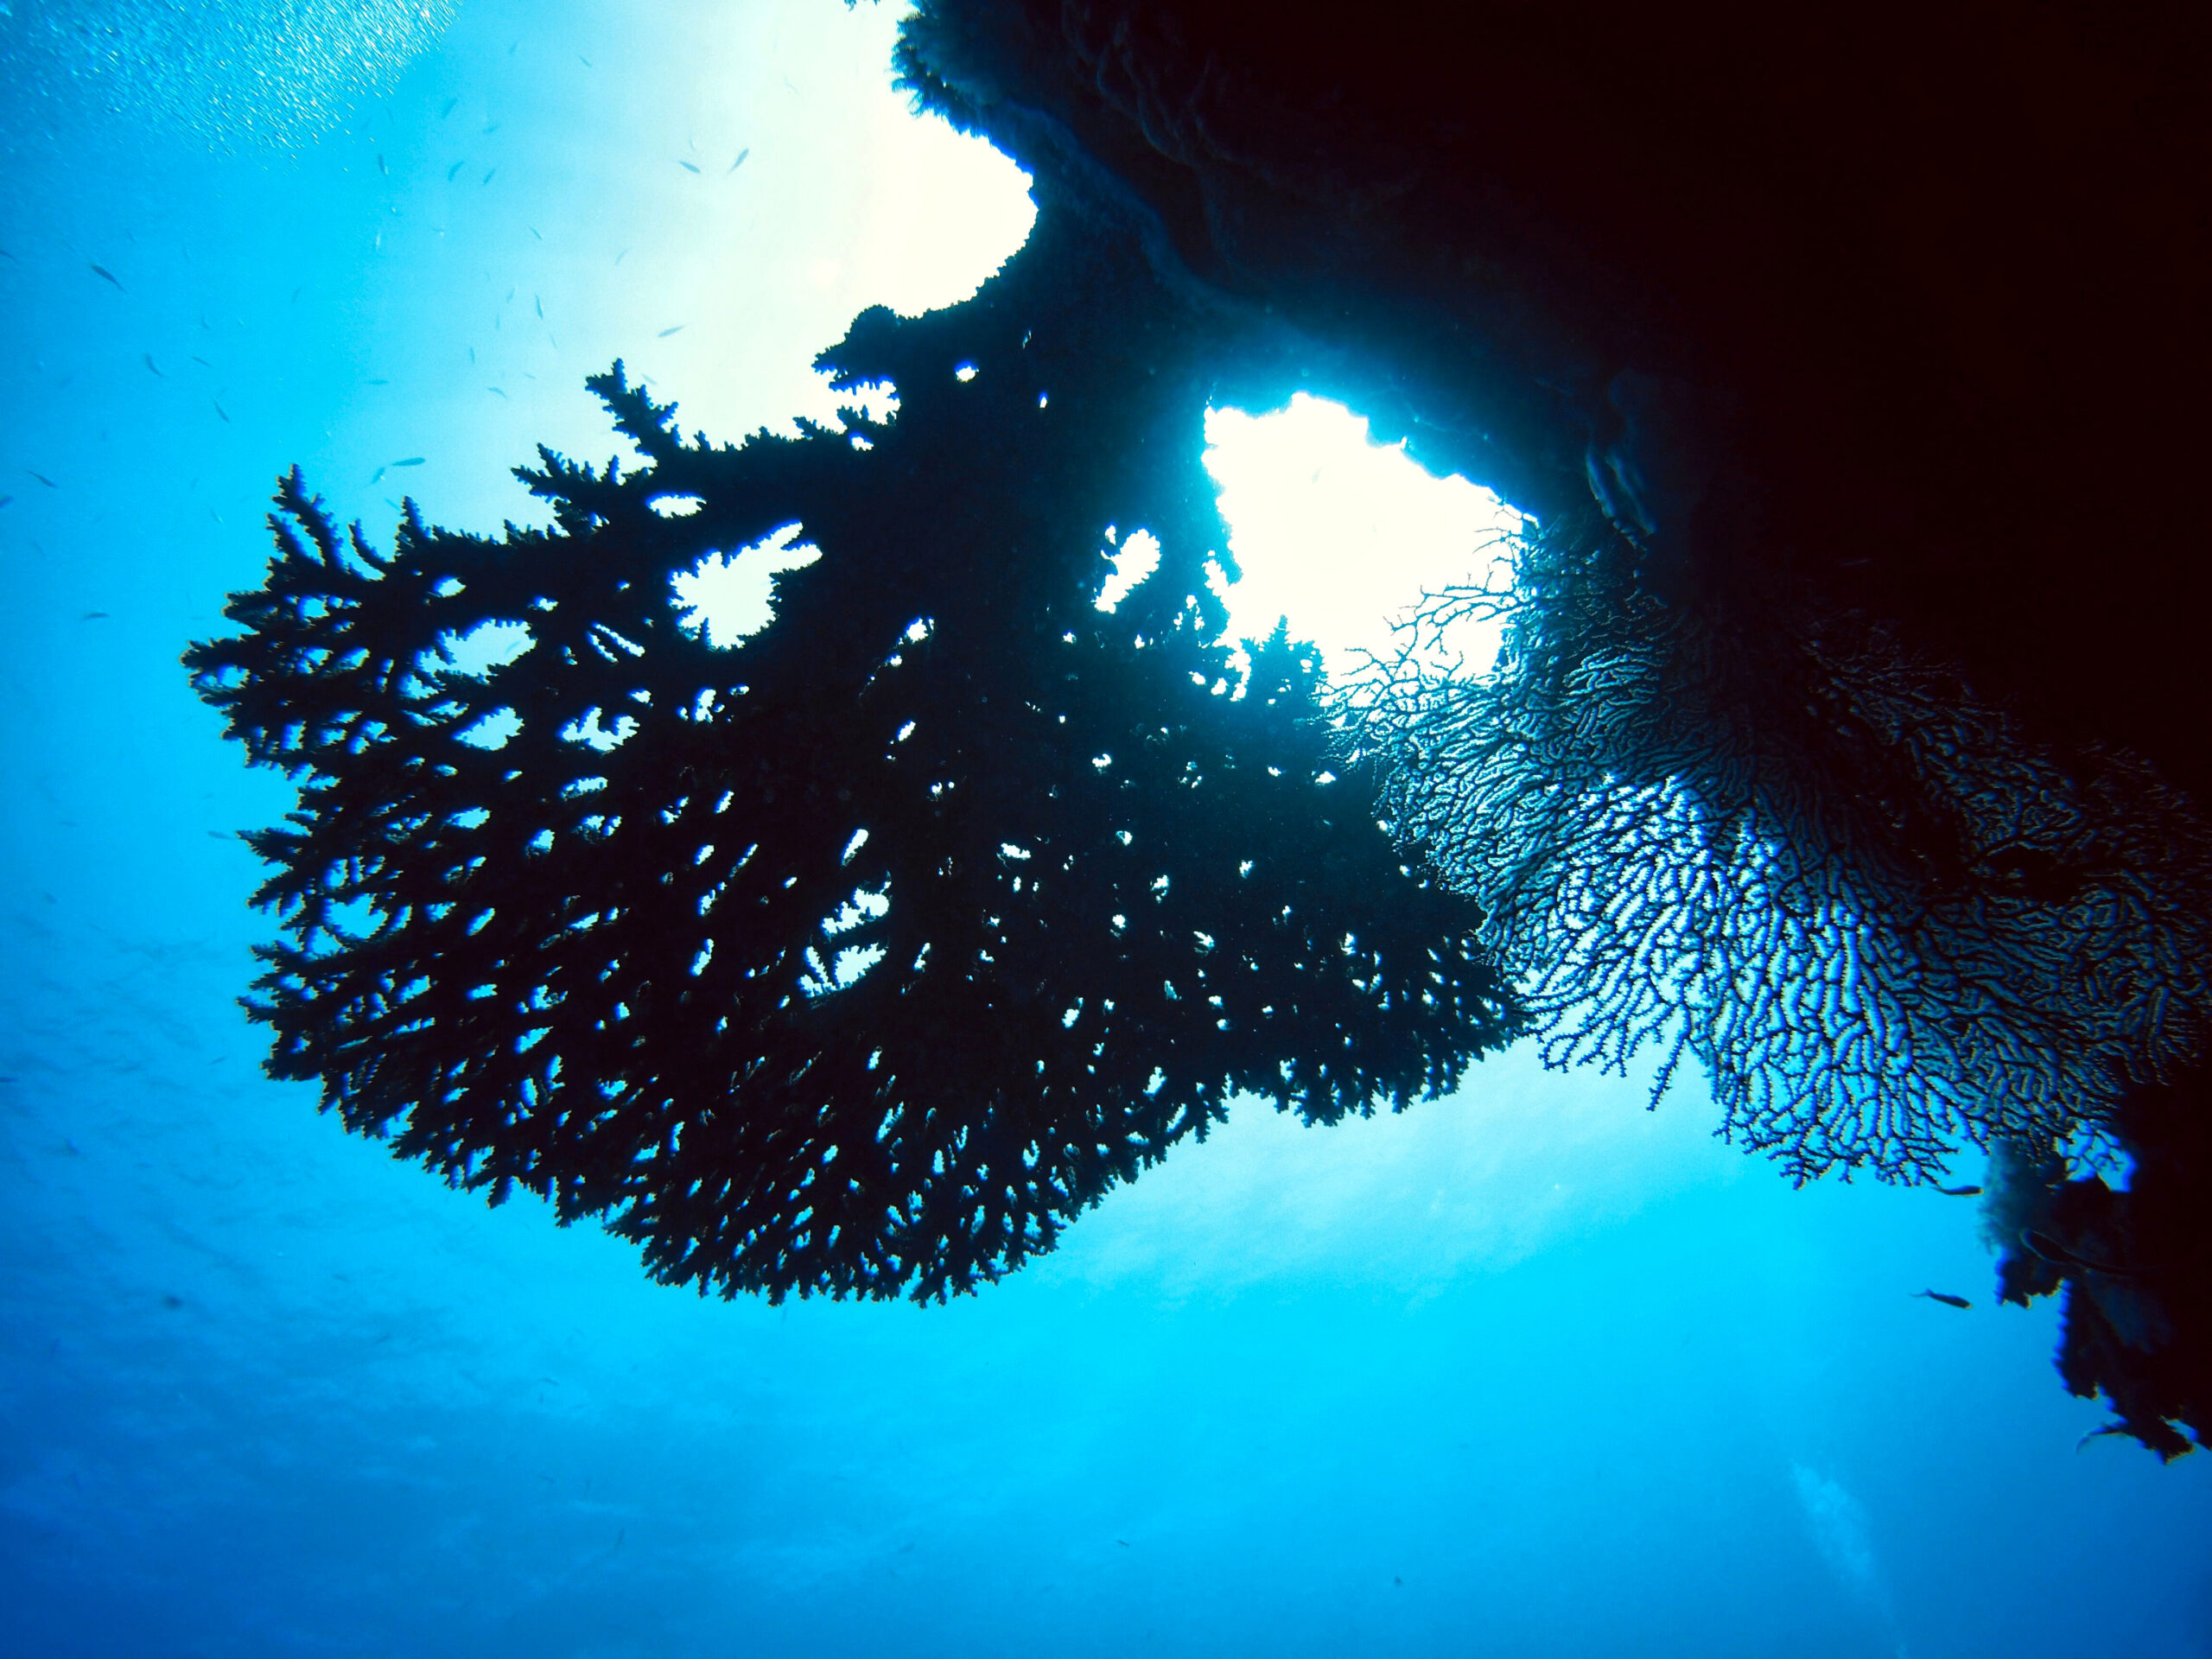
{"x": 1944, "y": 1297}
{"x": 2057, "y": 1254}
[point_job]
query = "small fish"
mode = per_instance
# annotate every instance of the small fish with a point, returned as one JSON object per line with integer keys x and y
{"x": 1123, "y": 1543}
{"x": 2058, "y": 1255}
{"x": 411, "y": 460}
{"x": 472, "y": 354}
{"x": 621, "y": 257}
{"x": 147, "y": 358}
{"x": 220, "y": 411}
{"x": 1944, "y": 1297}
{"x": 1960, "y": 1191}
{"x": 540, "y": 304}
{"x": 452, "y": 104}
{"x": 203, "y": 363}
{"x": 104, "y": 273}
{"x": 455, "y": 169}
{"x": 2095, "y": 1434}
{"x": 93, "y": 616}
{"x": 377, "y": 477}
{"x": 491, "y": 127}
{"x": 381, "y": 166}
{"x": 539, "y": 234}
{"x": 740, "y": 161}
{"x": 688, "y": 167}
{"x": 487, "y": 177}
{"x": 4, "y": 254}
{"x": 43, "y": 478}
{"x": 219, "y": 834}
{"x": 297, "y": 292}
{"x": 678, "y": 330}
{"x": 496, "y": 392}
{"x": 584, "y": 60}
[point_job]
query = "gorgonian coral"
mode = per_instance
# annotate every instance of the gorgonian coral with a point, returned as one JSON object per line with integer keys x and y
{"x": 1879, "y": 915}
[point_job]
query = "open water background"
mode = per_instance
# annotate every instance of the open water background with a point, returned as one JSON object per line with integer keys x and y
{"x": 1528, "y": 1371}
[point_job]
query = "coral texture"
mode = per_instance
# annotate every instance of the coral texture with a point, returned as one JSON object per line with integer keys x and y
{"x": 862, "y": 956}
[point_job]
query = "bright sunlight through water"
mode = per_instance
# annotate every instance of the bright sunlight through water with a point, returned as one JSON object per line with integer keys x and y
{"x": 1340, "y": 535}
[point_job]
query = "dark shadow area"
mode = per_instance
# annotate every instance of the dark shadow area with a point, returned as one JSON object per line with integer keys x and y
{"x": 1850, "y": 738}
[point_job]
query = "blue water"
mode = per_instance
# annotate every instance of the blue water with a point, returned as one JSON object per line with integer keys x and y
{"x": 1528, "y": 1371}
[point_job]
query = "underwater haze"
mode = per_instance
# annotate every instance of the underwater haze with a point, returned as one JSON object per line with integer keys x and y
{"x": 1528, "y": 1370}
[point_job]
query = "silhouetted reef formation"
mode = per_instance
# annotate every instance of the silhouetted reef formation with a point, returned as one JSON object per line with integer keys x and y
{"x": 1848, "y": 740}
{"x": 1850, "y": 734}
{"x": 1104, "y": 884}
{"x": 2135, "y": 1264}
{"x": 1876, "y": 913}
{"x": 1905, "y": 303}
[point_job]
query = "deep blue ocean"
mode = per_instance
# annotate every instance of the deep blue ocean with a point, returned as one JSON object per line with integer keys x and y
{"x": 1531, "y": 1370}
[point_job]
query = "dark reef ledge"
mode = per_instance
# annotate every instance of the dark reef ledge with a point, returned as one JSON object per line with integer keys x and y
{"x": 1876, "y": 324}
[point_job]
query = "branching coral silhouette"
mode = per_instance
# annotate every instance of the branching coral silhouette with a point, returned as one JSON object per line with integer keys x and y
{"x": 859, "y": 957}
{"x": 1879, "y": 916}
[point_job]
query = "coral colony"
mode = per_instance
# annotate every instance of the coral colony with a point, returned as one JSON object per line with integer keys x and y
{"x": 861, "y": 955}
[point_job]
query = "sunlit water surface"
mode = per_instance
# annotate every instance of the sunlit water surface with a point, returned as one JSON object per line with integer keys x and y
{"x": 1529, "y": 1371}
